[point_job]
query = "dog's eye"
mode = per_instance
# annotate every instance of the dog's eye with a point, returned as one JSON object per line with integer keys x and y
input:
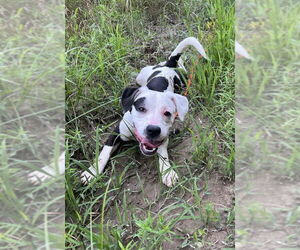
{"x": 141, "y": 109}
{"x": 167, "y": 114}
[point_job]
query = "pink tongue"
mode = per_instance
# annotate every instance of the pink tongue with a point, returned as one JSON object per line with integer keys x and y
{"x": 149, "y": 145}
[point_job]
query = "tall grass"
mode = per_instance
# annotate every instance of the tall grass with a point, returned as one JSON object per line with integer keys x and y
{"x": 268, "y": 95}
{"x": 31, "y": 118}
{"x": 127, "y": 207}
{"x": 267, "y": 128}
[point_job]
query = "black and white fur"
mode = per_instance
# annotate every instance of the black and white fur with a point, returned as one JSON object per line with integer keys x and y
{"x": 159, "y": 78}
{"x": 149, "y": 112}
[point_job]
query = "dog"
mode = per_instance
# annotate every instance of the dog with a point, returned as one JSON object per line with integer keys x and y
{"x": 156, "y": 82}
{"x": 149, "y": 112}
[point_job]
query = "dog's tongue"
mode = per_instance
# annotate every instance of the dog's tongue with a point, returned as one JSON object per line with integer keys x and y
{"x": 148, "y": 148}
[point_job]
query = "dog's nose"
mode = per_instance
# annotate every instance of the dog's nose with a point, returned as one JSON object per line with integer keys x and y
{"x": 153, "y": 131}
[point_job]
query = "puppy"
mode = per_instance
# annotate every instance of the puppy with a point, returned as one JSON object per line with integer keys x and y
{"x": 148, "y": 115}
{"x": 149, "y": 112}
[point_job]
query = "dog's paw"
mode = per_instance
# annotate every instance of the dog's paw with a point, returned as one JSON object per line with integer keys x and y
{"x": 36, "y": 177}
{"x": 86, "y": 177}
{"x": 170, "y": 178}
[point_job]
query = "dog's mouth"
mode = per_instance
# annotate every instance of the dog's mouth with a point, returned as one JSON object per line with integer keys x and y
{"x": 148, "y": 150}
{"x": 146, "y": 147}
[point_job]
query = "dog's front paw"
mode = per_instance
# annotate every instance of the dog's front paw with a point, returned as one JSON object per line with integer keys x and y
{"x": 170, "y": 178}
{"x": 87, "y": 176}
{"x": 36, "y": 177}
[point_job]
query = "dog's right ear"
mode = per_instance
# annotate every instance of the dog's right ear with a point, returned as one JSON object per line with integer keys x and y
{"x": 128, "y": 97}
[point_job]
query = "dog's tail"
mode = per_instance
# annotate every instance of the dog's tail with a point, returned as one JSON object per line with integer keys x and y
{"x": 190, "y": 41}
{"x": 241, "y": 51}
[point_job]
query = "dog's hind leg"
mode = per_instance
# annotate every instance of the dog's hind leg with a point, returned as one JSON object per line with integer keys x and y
{"x": 110, "y": 146}
{"x": 169, "y": 176}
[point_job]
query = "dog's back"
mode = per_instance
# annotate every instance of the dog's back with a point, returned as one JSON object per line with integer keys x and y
{"x": 165, "y": 76}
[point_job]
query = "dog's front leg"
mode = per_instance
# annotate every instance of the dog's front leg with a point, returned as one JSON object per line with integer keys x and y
{"x": 110, "y": 145}
{"x": 37, "y": 176}
{"x": 169, "y": 176}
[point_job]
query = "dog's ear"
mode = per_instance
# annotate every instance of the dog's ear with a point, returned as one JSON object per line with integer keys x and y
{"x": 182, "y": 105}
{"x": 127, "y": 98}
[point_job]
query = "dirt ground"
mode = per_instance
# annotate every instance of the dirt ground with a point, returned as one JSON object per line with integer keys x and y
{"x": 267, "y": 211}
{"x": 146, "y": 193}
{"x": 209, "y": 226}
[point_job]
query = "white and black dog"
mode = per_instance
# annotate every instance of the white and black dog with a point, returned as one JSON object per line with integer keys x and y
{"x": 149, "y": 112}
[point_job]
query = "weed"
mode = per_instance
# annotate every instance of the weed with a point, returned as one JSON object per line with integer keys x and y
{"x": 127, "y": 207}
{"x": 31, "y": 123}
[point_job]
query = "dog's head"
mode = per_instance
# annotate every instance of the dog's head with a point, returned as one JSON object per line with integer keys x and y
{"x": 153, "y": 114}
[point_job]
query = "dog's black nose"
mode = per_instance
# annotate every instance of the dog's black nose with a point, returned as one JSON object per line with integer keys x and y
{"x": 153, "y": 131}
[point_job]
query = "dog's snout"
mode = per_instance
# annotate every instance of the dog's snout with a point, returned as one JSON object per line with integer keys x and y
{"x": 153, "y": 131}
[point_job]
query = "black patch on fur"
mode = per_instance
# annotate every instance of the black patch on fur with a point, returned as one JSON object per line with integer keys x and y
{"x": 127, "y": 98}
{"x": 158, "y": 84}
{"x": 155, "y": 73}
{"x": 182, "y": 75}
{"x": 114, "y": 138}
{"x": 177, "y": 84}
{"x": 173, "y": 61}
{"x": 139, "y": 102}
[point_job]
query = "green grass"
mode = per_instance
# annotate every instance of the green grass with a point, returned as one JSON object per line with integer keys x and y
{"x": 268, "y": 90}
{"x": 128, "y": 207}
{"x": 267, "y": 128}
{"x": 31, "y": 122}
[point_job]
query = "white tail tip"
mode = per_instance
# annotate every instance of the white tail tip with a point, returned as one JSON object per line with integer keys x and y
{"x": 241, "y": 51}
{"x": 190, "y": 41}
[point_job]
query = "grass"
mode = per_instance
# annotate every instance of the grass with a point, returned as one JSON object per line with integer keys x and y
{"x": 270, "y": 94}
{"x": 267, "y": 150}
{"x": 127, "y": 207}
{"x": 32, "y": 101}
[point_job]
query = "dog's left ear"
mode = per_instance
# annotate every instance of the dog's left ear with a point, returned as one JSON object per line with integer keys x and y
{"x": 127, "y": 98}
{"x": 182, "y": 105}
